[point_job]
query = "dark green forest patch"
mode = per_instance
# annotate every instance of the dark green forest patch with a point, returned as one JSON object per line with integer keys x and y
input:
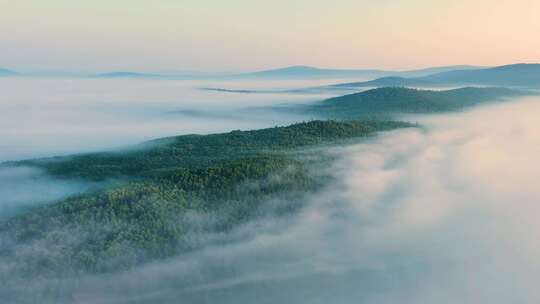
{"x": 174, "y": 194}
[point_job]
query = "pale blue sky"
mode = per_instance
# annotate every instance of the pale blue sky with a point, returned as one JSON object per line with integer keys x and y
{"x": 236, "y": 35}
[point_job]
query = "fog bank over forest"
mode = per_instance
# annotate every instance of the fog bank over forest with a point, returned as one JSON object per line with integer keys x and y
{"x": 53, "y": 116}
{"x": 445, "y": 213}
{"x": 278, "y": 152}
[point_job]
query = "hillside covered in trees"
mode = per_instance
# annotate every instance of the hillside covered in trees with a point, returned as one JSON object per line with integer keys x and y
{"x": 512, "y": 75}
{"x": 168, "y": 196}
{"x": 174, "y": 195}
{"x": 392, "y": 100}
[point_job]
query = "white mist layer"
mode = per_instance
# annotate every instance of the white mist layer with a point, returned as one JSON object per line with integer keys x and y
{"x": 23, "y": 187}
{"x": 446, "y": 214}
{"x": 50, "y": 116}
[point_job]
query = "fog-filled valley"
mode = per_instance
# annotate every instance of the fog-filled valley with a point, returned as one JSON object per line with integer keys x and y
{"x": 43, "y": 117}
{"x": 265, "y": 152}
{"x": 286, "y": 195}
{"x": 54, "y": 116}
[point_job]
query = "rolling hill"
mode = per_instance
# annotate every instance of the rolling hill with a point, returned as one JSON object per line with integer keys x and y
{"x": 126, "y": 75}
{"x": 391, "y": 81}
{"x": 523, "y": 75}
{"x": 174, "y": 195}
{"x": 383, "y": 101}
{"x": 514, "y": 75}
{"x": 6, "y": 72}
{"x": 292, "y": 72}
{"x": 307, "y": 72}
{"x": 145, "y": 215}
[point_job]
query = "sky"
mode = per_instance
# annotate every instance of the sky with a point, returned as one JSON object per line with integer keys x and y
{"x": 245, "y": 35}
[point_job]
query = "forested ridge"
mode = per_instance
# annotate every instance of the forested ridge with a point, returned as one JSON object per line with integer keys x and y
{"x": 176, "y": 195}
{"x": 513, "y": 75}
{"x": 223, "y": 180}
{"x": 168, "y": 155}
{"x": 391, "y": 100}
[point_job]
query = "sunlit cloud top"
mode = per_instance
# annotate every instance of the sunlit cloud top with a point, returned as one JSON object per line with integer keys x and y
{"x": 234, "y": 35}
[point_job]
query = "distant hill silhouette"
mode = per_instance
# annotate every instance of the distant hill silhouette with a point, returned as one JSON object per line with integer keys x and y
{"x": 405, "y": 100}
{"x": 507, "y": 75}
{"x": 292, "y": 72}
{"x": 6, "y": 72}
{"x": 391, "y": 81}
{"x": 302, "y": 72}
{"x": 519, "y": 75}
{"x": 126, "y": 75}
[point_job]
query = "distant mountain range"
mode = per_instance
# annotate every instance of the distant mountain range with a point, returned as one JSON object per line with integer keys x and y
{"x": 391, "y": 81}
{"x": 510, "y": 75}
{"x": 232, "y": 179}
{"x": 293, "y": 72}
{"x": 296, "y": 72}
{"x": 307, "y": 72}
{"x": 519, "y": 75}
{"x": 405, "y": 100}
{"x": 516, "y": 75}
{"x": 126, "y": 75}
{"x": 6, "y": 72}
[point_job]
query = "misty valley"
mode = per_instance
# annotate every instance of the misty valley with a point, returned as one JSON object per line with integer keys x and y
{"x": 132, "y": 188}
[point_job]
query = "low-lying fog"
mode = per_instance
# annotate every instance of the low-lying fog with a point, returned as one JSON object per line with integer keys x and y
{"x": 445, "y": 214}
{"x": 41, "y": 117}
{"x": 22, "y": 187}
{"x": 50, "y": 116}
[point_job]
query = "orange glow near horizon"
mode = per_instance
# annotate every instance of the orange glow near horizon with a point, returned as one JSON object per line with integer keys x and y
{"x": 240, "y": 35}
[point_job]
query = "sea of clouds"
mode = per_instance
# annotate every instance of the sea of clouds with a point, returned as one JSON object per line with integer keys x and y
{"x": 446, "y": 213}
{"x": 52, "y": 116}
{"x": 45, "y": 117}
